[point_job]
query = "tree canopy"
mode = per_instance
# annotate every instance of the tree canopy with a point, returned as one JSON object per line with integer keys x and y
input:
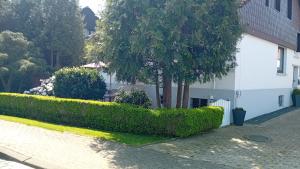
{"x": 165, "y": 41}
{"x": 18, "y": 59}
{"x": 54, "y": 26}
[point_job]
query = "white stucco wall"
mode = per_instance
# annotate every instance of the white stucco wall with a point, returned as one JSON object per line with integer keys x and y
{"x": 257, "y": 62}
{"x": 225, "y": 83}
{"x": 257, "y": 79}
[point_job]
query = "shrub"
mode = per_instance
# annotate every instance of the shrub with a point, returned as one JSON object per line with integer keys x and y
{"x": 135, "y": 97}
{"x": 111, "y": 116}
{"x": 296, "y": 92}
{"x": 79, "y": 83}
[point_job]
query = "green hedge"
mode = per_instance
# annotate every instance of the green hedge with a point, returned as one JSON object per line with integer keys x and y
{"x": 111, "y": 116}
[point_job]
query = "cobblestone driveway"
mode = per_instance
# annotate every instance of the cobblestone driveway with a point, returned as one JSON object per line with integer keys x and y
{"x": 229, "y": 146}
{"x": 223, "y": 148}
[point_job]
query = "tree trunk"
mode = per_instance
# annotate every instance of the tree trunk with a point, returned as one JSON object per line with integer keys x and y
{"x": 167, "y": 91}
{"x": 51, "y": 58}
{"x": 6, "y": 85}
{"x": 179, "y": 94}
{"x": 57, "y": 61}
{"x": 157, "y": 87}
{"x": 186, "y": 95}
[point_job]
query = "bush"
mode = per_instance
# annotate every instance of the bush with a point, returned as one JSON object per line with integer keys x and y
{"x": 79, "y": 83}
{"x": 135, "y": 97}
{"x": 111, "y": 116}
{"x": 296, "y": 92}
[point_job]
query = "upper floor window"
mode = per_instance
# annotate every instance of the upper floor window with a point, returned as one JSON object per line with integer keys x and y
{"x": 267, "y": 2}
{"x": 298, "y": 42}
{"x": 280, "y": 60}
{"x": 277, "y": 5}
{"x": 290, "y": 8}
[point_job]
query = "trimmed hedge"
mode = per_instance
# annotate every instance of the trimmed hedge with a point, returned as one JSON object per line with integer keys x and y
{"x": 111, "y": 116}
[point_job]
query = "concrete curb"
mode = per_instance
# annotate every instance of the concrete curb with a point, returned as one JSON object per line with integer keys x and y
{"x": 13, "y": 155}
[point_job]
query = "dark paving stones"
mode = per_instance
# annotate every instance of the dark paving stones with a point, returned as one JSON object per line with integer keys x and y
{"x": 258, "y": 138}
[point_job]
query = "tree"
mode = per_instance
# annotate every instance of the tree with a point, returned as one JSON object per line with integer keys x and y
{"x": 62, "y": 35}
{"x": 181, "y": 41}
{"x": 116, "y": 27}
{"x": 18, "y": 60}
{"x": 54, "y": 26}
{"x": 126, "y": 32}
{"x": 208, "y": 39}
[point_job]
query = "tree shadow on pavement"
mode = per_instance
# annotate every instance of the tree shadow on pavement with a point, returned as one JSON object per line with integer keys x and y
{"x": 123, "y": 156}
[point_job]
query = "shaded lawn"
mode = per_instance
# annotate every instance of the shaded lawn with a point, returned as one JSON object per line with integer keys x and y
{"x": 129, "y": 139}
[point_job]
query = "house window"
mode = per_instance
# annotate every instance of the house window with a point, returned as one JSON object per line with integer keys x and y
{"x": 277, "y": 5}
{"x": 280, "y": 60}
{"x": 298, "y": 42}
{"x": 196, "y": 102}
{"x": 281, "y": 100}
{"x": 267, "y": 2}
{"x": 290, "y": 9}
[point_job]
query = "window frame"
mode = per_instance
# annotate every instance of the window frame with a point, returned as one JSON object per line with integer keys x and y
{"x": 267, "y": 3}
{"x": 298, "y": 42}
{"x": 281, "y": 101}
{"x": 278, "y": 5}
{"x": 290, "y": 9}
{"x": 281, "y": 58}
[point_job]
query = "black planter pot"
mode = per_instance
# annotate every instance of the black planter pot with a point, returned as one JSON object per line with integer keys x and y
{"x": 294, "y": 100}
{"x": 239, "y": 116}
{"x": 297, "y": 100}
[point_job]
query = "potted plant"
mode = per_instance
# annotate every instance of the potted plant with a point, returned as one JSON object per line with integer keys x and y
{"x": 239, "y": 116}
{"x": 296, "y": 97}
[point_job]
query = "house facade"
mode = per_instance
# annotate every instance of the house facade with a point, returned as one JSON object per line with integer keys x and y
{"x": 267, "y": 58}
{"x": 268, "y": 62}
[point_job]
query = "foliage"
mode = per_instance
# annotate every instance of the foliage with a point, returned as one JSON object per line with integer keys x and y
{"x": 111, "y": 116}
{"x": 19, "y": 62}
{"x": 79, "y": 83}
{"x": 296, "y": 92}
{"x": 176, "y": 40}
{"x": 54, "y": 26}
{"x": 135, "y": 97}
{"x": 130, "y": 139}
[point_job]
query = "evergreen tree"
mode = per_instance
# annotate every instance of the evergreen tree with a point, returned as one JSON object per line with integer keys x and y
{"x": 179, "y": 40}
{"x": 19, "y": 62}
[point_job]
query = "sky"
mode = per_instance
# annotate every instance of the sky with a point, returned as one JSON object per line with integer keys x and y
{"x": 95, "y": 5}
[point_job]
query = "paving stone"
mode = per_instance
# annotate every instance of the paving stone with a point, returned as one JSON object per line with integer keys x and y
{"x": 228, "y": 146}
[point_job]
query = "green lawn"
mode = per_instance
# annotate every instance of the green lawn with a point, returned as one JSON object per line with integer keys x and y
{"x": 129, "y": 139}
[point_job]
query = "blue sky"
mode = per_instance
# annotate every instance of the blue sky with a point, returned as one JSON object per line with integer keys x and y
{"x": 95, "y": 5}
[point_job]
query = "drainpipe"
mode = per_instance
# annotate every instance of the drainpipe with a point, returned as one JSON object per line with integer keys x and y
{"x": 211, "y": 97}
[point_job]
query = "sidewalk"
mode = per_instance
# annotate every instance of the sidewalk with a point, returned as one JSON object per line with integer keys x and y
{"x": 55, "y": 150}
{"x": 7, "y": 162}
{"x": 4, "y": 164}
